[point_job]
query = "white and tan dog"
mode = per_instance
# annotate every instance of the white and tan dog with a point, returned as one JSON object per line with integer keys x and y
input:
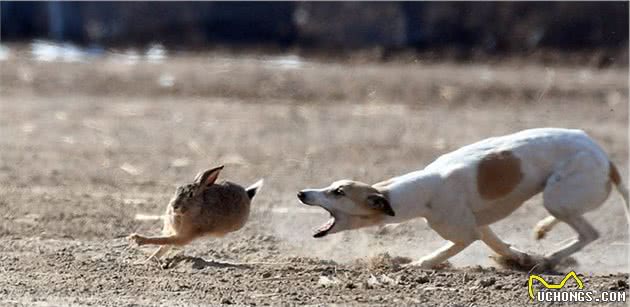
{"x": 462, "y": 192}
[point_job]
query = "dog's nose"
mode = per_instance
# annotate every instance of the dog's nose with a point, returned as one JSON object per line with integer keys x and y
{"x": 300, "y": 195}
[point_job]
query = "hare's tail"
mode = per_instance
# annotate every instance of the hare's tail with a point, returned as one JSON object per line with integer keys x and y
{"x": 253, "y": 189}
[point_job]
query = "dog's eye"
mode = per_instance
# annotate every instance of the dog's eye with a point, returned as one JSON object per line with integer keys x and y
{"x": 338, "y": 192}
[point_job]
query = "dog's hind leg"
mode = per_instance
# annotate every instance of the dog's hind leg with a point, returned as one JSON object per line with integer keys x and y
{"x": 586, "y": 235}
{"x": 504, "y": 249}
{"x": 579, "y": 185}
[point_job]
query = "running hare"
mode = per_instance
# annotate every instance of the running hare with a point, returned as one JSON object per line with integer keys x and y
{"x": 202, "y": 208}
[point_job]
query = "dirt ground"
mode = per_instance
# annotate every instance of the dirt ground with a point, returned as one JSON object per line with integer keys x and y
{"x": 86, "y": 146}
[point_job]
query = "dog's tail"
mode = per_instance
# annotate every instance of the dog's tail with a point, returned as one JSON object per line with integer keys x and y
{"x": 615, "y": 178}
{"x": 253, "y": 189}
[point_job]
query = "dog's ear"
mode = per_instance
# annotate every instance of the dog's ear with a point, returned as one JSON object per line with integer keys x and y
{"x": 379, "y": 202}
{"x": 208, "y": 177}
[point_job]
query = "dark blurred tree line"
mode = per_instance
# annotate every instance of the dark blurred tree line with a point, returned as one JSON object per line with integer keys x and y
{"x": 487, "y": 26}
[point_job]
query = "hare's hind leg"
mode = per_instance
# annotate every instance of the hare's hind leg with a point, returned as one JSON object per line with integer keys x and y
{"x": 166, "y": 243}
{"x": 175, "y": 239}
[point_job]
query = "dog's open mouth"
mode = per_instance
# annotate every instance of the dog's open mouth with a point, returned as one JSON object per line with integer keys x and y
{"x": 324, "y": 229}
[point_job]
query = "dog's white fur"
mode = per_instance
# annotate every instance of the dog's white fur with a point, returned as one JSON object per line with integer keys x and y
{"x": 573, "y": 173}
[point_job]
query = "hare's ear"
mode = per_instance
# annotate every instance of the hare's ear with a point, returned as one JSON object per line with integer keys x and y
{"x": 208, "y": 177}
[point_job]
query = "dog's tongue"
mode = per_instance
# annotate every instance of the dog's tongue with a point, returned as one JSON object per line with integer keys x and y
{"x": 324, "y": 229}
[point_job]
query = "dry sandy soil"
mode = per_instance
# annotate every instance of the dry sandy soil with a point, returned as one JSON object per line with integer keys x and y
{"x": 85, "y": 147}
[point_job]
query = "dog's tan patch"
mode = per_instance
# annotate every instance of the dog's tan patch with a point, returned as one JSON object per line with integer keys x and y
{"x": 498, "y": 174}
{"x": 366, "y": 197}
{"x": 613, "y": 173}
{"x": 359, "y": 192}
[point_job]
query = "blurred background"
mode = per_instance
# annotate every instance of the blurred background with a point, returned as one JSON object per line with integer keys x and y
{"x": 463, "y": 30}
{"x": 106, "y": 106}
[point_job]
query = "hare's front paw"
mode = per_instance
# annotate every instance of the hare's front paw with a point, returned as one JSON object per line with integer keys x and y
{"x": 138, "y": 239}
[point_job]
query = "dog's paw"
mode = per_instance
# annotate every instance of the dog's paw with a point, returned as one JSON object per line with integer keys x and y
{"x": 137, "y": 239}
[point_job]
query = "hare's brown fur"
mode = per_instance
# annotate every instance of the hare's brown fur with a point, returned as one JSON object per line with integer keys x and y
{"x": 202, "y": 208}
{"x": 221, "y": 208}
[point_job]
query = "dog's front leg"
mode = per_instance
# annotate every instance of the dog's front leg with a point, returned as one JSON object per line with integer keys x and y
{"x": 506, "y": 250}
{"x": 440, "y": 255}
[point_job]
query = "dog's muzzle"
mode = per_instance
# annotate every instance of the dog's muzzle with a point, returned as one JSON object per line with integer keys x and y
{"x": 323, "y": 230}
